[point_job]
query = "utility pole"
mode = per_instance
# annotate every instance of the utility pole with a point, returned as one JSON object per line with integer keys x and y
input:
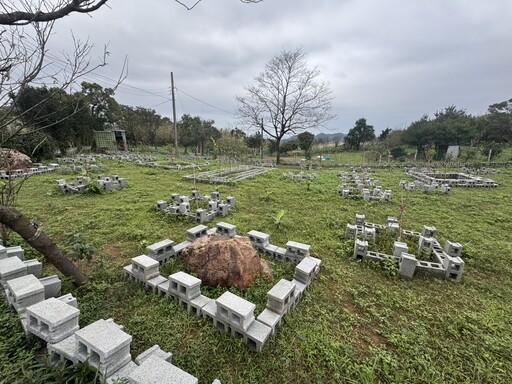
{"x": 261, "y": 142}
{"x": 176, "y": 148}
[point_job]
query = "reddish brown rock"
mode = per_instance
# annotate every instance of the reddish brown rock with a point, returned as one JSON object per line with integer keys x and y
{"x": 11, "y": 159}
{"x": 218, "y": 261}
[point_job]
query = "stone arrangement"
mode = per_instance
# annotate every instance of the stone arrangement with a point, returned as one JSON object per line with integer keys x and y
{"x": 180, "y": 205}
{"x": 451, "y": 179}
{"x": 300, "y": 176}
{"x": 55, "y": 319}
{"x": 79, "y": 185}
{"x": 418, "y": 185}
{"x": 481, "y": 171}
{"x": 229, "y": 312}
{"x": 361, "y": 184}
{"x": 447, "y": 262}
{"x": 228, "y": 175}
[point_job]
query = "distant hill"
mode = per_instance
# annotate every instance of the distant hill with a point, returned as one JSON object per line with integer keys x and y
{"x": 325, "y": 137}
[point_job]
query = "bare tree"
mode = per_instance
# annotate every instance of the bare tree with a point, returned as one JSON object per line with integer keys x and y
{"x": 24, "y": 60}
{"x": 287, "y": 98}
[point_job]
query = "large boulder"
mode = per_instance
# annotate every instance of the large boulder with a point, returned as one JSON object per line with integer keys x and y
{"x": 225, "y": 262}
{"x": 12, "y": 159}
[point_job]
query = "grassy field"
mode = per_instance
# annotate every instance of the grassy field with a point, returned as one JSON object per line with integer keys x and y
{"x": 357, "y": 323}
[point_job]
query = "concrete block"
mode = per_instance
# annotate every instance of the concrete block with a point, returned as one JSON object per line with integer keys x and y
{"x": 215, "y": 196}
{"x": 259, "y": 240}
{"x": 64, "y": 350}
{"x": 11, "y": 268}
{"x": 15, "y": 252}
{"x": 34, "y": 267}
{"x": 399, "y": 247}
{"x": 350, "y": 231}
{"x": 122, "y": 373}
{"x": 145, "y": 268}
{"x": 104, "y": 345}
{"x": 453, "y": 249}
{"x": 155, "y": 350}
{"x": 306, "y": 270}
{"x": 257, "y": 335}
{"x": 407, "y": 265}
{"x": 196, "y": 232}
{"x": 226, "y": 229}
{"x": 184, "y": 208}
{"x": 161, "y": 251}
{"x": 24, "y": 291}
{"x": 68, "y": 299}
{"x": 360, "y": 249}
{"x": 271, "y": 319}
{"x": 201, "y": 215}
{"x": 52, "y": 286}
{"x": 425, "y": 244}
{"x": 52, "y": 320}
{"x": 231, "y": 201}
{"x": 223, "y": 209}
{"x": 157, "y": 370}
{"x": 196, "y": 305}
{"x": 280, "y": 296}
{"x": 185, "y": 286}
{"x": 178, "y": 248}
{"x": 161, "y": 205}
{"x": 296, "y": 251}
{"x": 235, "y": 310}
{"x": 369, "y": 234}
{"x": 360, "y": 219}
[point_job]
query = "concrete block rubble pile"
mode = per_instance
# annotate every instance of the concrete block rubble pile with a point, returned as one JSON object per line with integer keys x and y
{"x": 180, "y": 205}
{"x": 228, "y": 175}
{"x": 79, "y": 185}
{"x": 46, "y": 314}
{"x": 452, "y": 179}
{"x": 362, "y": 184}
{"x": 229, "y": 312}
{"x": 447, "y": 262}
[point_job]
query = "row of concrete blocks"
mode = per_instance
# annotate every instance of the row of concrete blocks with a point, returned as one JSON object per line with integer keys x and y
{"x": 453, "y": 179}
{"x": 180, "y": 205}
{"x": 448, "y": 263}
{"x": 79, "y": 185}
{"x": 376, "y": 195}
{"x": 300, "y": 176}
{"x": 102, "y": 344}
{"x": 420, "y": 185}
{"x": 229, "y": 312}
{"x": 228, "y": 176}
{"x": 481, "y": 171}
{"x": 23, "y": 173}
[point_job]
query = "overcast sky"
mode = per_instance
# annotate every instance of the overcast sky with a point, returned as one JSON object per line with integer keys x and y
{"x": 389, "y": 61}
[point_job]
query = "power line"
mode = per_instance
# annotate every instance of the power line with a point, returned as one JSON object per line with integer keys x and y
{"x": 204, "y": 102}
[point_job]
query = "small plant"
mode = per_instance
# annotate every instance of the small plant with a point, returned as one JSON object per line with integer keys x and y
{"x": 81, "y": 249}
{"x": 390, "y": 266}
{"x": 93, "y": 188}
{"x": 279, "y": 218}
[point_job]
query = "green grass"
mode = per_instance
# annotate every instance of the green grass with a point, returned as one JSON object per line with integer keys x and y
{"x": 356, "y": 323}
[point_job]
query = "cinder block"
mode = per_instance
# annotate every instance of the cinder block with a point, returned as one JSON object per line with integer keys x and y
{"x": 280, "y": 296}
{"x": 11, "y": 268}
{"x": 257, "y": 335}
{"x": 185, "y": 286}
{"x": 52, "y": 286}
{"x": 34, "y": 267}
{"x": 24, "y": 291}
{"x": 52, "y": 320}
{"x": 157, "y": 370}
{"x": 235, "y": 310}
{"x": 407, "y": 265}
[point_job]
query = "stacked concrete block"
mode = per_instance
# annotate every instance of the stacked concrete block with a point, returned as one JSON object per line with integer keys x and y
{"x": 144, "y": 268}
{"x": 52, "y": 320}
{"x": 281, "y": 298}
{"x": 104, "y": 346}
{"x": 350, "y": 231}
{"x": 11, "y": 268}
{"x": 196, "y": 232}
{"x": 24, "y": 291}
{"x": 360, "y": 249}
{"x": 360, "y": 219}
{"x": 183, "y": 287}
{"x": 161, "y": 251}
{"x": 226, "y": 229}
{"x": 52, "y": 286}
{"x": 369, "y": 234}
{"x": 447, "y": 263}
{"x": 235, "y": 312}
{"x": 425, "y": 244}
{"x": 392, "y": 226}
{"x": 296, "y": 251}
{"x": 259, "y": 240}
{"x": 306, "y": 270}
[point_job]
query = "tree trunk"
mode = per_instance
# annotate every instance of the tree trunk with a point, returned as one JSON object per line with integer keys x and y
{"x": 278, "y": 151}
{"x": 39, "y": 241}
